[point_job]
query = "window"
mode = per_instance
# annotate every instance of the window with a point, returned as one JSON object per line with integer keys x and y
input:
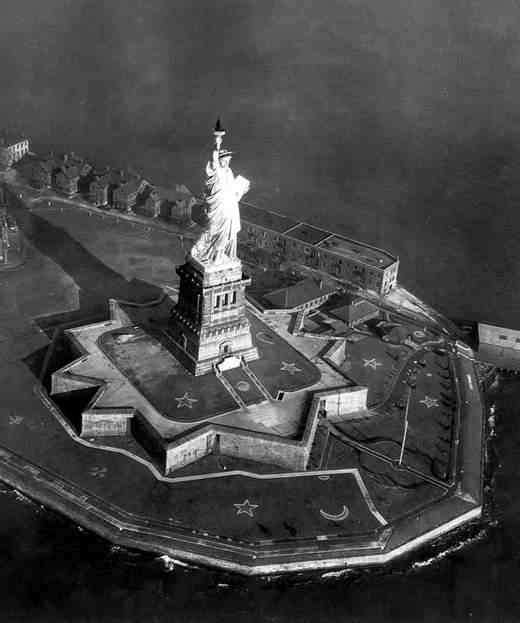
{"x": 503, "y": 337}
{"x": 225, "y": 300}
{"x": 234, "y": 297}
{"x": 217, "y": 301}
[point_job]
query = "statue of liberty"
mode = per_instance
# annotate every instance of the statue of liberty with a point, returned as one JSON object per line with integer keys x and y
{"x": 217, "y": 244}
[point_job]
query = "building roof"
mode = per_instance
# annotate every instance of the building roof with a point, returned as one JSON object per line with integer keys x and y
{"x": 183, "y": 190}
{"x": 304, "y": 291}
{"x": 117, "y": 176}
{"x": 49, "y": 164}
{"x": 85, "y": 169}
{"x": 74, "y": 159}
{"x": 179, "y": 193}
{"x": 101, "y": 179}
{"x": 28, "y": 160}
{"x": 351, "y": 249}
{"x": 70, "y": 171}
{"x": 31, "y": 161}
{"x": 265, "y": 218}
{"x": 130, "y": 186}
{"x": 319, "y": 238}
{"x": 355, "y": 309}
{"x": 307, "y": 233}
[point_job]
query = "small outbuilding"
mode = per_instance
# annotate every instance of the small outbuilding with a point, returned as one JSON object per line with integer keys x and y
{"x": 303, "y": 296}
{"x": 355, "y": 311}
{"x": 499, "y": 346}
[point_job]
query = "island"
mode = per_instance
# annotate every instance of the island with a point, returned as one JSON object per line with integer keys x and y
{"x": 204, "y": 378}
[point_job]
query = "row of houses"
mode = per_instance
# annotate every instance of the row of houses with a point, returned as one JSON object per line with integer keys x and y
{"x": 72, "y": 175}
{"x": 266, "y": 237}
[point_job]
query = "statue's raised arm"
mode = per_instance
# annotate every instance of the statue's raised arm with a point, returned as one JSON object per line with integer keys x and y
{"x": 218, "y": 242}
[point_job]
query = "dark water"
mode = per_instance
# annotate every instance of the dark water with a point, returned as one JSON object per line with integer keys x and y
{"x": 394, "y": 122}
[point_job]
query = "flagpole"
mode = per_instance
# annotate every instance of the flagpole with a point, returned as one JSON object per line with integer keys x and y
{"x": 405, "y": 426}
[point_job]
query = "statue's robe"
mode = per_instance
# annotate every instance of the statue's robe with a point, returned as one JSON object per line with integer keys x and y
{"x": 223, "y": 191}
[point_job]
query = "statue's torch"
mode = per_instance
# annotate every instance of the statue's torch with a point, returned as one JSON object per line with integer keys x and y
{"x": 218, "y": 133}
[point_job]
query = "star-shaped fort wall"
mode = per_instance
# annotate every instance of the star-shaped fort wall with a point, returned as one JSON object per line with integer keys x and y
{"x": 144, "y": 392}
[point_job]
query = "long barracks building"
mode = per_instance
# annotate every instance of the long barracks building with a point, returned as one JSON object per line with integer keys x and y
{"x": 286, "y": 239}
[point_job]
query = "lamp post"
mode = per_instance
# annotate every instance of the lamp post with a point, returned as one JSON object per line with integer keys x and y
{"x": 405, "y": 432}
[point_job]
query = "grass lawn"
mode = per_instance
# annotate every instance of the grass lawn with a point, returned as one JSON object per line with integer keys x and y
{"x": 280, "y": 366}
{"x": 430, "y": 420}
{"x": 393, "y": 491}
{"x": 123, "y": 246}
{"x": 286, "y": 507}
{"x": 370, "y": 362}
{"x": 154, "y": 371}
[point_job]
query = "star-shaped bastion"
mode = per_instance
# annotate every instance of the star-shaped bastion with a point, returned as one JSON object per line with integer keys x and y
{"x": 144, "y": 392}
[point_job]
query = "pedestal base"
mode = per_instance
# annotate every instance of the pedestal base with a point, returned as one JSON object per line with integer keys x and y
{"x": 199, "y": 367}
{"x": 209, "y": 322}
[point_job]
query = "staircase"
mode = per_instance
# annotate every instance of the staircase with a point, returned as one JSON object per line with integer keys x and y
{"x": 255, "y": 380}
{"x": 229, "y": 388}
{"x": 320, "y": 449}
{"x": 298, "y": 322}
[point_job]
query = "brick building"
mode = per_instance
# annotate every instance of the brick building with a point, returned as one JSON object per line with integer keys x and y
{"x": 499, "y": 346}
{"x": 13, "y": 147}
{"x": 70, "y": 174}
{"x": 280, "y": 238}
{"x": 305, "y": 295}
{"x": 97, "y": 187}
{"x": 126, "y": 193}
{"x": 38, "y": 171}
{"x": 356, "y": 311}
{"x": 66, "y": 179}
{"x": 171, "y": 204}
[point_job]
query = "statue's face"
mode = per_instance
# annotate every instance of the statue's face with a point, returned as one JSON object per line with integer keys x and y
{"x": 224, "y": 161}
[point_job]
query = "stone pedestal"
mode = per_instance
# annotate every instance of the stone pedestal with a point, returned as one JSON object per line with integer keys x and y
{"x": 209, "y": 322}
